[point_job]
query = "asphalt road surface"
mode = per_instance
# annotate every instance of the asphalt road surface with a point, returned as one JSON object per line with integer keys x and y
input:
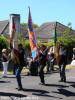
{"x": 53, "y": 90}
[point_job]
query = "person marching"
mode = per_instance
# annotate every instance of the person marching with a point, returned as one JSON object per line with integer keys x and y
{"x": 42, "y": 62}
{"x": 62, "y": 62}
{"x": 19, "y": 63}
{"x": 21, "y": 54}
{"x": 52, "y": 59}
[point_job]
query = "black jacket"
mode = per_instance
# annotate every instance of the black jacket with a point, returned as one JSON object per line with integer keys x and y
{"x": 21, "y": 57}
{"x": 63, "y": 57}
{"x": 43, "y": 57}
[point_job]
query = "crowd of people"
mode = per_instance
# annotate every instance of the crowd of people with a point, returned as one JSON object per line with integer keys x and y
{"x": 46, "y": 57}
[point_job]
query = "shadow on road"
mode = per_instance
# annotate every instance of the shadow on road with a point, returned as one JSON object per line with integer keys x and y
{"x": 72, "y": 83}
{"x": 40, "y": 93}
{"x": 65, "y": 92}
{"x": 55, "y": 85}
{"x": 5, "y": 82}
{"x": 12, "y": 94}
{"x": 36, "y": 90}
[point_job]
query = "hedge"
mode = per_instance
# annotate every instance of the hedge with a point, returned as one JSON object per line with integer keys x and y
{"x": 4, "y": 43}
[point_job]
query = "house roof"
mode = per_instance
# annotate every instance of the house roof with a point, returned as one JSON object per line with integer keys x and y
{"x": 3, "y": 25}
{"x": 46, "y": 30}
{"x": 4, "y": 29}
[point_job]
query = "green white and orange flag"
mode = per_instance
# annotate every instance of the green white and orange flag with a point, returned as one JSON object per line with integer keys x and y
{"x": 55, "y": 36}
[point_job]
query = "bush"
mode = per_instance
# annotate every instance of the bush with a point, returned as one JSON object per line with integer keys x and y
{"x": 26, "y": 44}
{"x": 4, "y": 43}
{"x": 46, "y": 44}
{"x": 69, "y": 43}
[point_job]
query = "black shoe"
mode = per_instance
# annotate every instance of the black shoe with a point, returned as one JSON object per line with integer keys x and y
{"x": 41, "y": 83}
{"x": 19, "y": 89}
{"x": 64, "y": 81}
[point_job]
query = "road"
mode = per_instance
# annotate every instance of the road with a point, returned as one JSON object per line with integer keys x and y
{"x": 53, "y": 90}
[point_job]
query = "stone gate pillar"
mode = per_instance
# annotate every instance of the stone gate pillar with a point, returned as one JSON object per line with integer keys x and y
{"x": 16, "y": 18}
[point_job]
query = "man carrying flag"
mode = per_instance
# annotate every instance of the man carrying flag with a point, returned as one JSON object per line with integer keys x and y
{"x": 61, "y": 56}
{"x": 18, "y": 55}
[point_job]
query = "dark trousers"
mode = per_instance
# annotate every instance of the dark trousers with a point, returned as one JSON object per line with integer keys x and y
{"x": 62, "y": 72}
{"x": 51, "y": 66}
{"x": 41, "y": 73}
{"x": 18, "y": 77}
{"x": 14, "y": 68}
{"x": 48, "y": 66}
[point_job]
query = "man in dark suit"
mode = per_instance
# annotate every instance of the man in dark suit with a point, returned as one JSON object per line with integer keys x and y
{"x": 62, "y": 62}
{"x": 42, "y": 58}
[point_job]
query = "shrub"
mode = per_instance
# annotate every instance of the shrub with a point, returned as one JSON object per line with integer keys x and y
{"x": 26, "y": 44}
{"x": 46, "y": 44}
{"x": 69, "y": 43}
{"x": 4, "y": 43}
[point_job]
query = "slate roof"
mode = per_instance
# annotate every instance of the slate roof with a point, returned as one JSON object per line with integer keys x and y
{"x": 46, "y": 30}
{"x": 3, "y": 25}
{"x": 4, "y": 29}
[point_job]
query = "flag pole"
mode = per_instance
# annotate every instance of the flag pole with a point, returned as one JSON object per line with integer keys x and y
{"x": 56, "y": 44}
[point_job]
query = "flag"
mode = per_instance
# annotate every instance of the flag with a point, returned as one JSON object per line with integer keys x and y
{"x": 32, "y": 38}
{"x": 56, "y": 46}
{"x": 57, "y": 53}
{"x": 12, "y": 49}
{"x": 55, "y": 36}
{"x": 12, "y": 35}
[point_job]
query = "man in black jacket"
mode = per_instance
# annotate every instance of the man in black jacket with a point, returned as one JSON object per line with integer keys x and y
{"x": 42, "y": 63}
{"x": 62, "y": 63}
{"x": 19, "y": 66}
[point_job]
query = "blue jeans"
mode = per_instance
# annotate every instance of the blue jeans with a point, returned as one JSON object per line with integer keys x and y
{"x": 18, "y": 77}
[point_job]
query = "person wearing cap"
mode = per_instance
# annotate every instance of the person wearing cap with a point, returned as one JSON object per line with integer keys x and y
{"x": 62, "y": 63}
{"x": 4, "y": 62}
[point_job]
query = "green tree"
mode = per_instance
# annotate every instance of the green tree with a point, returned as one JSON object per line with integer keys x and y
{"x": 4, "y": 43}
{"x": 67, "y": 40}
{"x": 26, "y": 25}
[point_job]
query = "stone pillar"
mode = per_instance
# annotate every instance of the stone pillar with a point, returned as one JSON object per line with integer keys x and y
{"x": 16, "y": 18}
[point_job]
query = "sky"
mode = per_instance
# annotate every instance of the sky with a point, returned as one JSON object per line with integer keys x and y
{"x": 42, "y": 11}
